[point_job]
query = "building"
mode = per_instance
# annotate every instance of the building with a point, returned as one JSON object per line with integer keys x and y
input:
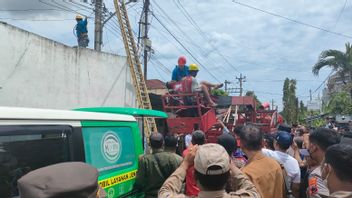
{"x": 39, "y": 72}
{"x": 336, "y": 83}
{"x": 156, "y": 86}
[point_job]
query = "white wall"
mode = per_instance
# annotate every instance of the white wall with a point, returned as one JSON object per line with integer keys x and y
{"x": 38, "y": 72}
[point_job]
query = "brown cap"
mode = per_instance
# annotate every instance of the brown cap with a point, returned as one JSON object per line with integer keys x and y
{"x": 212, "y": 159}
{"x": 69, "y": 179}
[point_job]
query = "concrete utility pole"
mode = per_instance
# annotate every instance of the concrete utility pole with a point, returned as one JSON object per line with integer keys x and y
{"x": 241, "y": 80}
{"x": 310, "y": 95}
{"x": 226, "y": 83}
{"x": 98, "y": 29}
{"x": 146, "y": 41}
{"x": 272, "y": 104}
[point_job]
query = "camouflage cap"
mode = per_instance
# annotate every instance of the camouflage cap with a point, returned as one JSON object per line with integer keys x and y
{"x": 212, "y": 159}
{"x": 69, "y": 179}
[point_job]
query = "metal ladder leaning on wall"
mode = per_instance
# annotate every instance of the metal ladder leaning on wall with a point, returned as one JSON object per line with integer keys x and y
{"x": 135, "y": 65}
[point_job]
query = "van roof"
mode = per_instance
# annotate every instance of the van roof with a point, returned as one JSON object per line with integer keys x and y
{"x": 20, "y": 113}
{"x": 136, "y": 112}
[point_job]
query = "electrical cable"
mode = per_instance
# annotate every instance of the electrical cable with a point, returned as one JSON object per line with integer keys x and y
{"x": 323, "y": 82}
{"x": 339, "y": 16}
{"x": 190, "y": 53}
{"x": 191, "y": 41}
{"x": 292, "y": 20}
{"x": 202, "y": 33}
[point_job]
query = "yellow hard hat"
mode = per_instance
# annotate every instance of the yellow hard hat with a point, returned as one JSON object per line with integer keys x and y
{"x": 79, "y": 17}
{"x": 193, "y": 67}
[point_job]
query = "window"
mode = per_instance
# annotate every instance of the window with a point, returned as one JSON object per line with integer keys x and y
{"x": 26, "y": 148}
{"x": 109, "y": 148}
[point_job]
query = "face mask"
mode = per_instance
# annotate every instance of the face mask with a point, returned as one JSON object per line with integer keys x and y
{"x": 325, "y": 173}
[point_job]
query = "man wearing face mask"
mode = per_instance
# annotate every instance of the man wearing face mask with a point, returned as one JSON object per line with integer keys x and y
{"x": 320, "y": 139}
{"x": 336, "y": 170}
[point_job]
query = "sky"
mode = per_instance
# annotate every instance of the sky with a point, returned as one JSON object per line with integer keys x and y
{"x": 267, "y": 41}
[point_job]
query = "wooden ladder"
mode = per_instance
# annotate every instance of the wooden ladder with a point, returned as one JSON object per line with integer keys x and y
{"x": 135, "y": 65}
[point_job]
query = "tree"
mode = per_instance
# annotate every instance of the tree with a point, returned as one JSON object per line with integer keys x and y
{"x": 340, "y": 62}
{"x": 218, "y": 92}
{"x": 290, "y": 101}
{"x": 302, "y": 112}
{"x": 340, "y": 103}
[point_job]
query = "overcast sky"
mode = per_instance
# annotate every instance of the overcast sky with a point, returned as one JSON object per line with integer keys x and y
{"x": 233, "y": 36}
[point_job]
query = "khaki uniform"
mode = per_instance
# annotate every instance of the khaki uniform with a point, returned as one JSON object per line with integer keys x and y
{"x": 266, "y": 174}
{"x": 154, "y": 169}
{"x": 173, "y": 184}
{"x": 317, "y": 187}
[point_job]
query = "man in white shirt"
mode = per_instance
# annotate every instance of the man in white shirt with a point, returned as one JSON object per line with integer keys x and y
{"x": 282, "y": 142}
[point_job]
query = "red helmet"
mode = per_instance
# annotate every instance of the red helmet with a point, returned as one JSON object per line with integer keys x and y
{"x": 181, "y": 60}
{"x": 266, "y": 105}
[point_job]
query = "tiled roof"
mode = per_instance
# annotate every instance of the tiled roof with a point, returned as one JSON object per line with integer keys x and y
{"x": 155, "y": 84}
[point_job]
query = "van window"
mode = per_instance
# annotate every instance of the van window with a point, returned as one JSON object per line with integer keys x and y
{"x": 109, "y": 148}
{"x": 26, "y": 148}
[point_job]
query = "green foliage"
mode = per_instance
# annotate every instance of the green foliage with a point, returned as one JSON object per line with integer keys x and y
{"x": 337, "y": 60}
{"x": 251, "y": 93}
{"x": 302, "y": 113}
{"x": 290, "y": 102}
{"x": 340, "y": 103}
{"x": 218, "y": 92}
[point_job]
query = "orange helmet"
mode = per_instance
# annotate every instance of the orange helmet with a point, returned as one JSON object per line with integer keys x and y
{"x": 181, "y": 60}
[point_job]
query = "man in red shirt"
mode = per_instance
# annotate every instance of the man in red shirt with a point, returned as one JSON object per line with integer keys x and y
{"x": 198, "y": 138}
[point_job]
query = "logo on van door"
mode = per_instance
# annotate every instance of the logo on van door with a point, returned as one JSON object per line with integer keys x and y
{"x": 111, "y": 146}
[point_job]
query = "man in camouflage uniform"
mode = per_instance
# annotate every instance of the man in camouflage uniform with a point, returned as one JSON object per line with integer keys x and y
{"x": 155, "y": 168}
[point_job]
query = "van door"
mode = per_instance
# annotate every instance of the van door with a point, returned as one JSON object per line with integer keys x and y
{"x": 24, "y": 148}
{"x": 113, "y": 148}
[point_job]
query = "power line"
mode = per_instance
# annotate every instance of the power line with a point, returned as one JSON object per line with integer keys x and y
{"x": 201, "y": 32}
{"x": 190, "y": 53}
{"x": 323, "y": 82}
{"x": 186, "y": 37}
{"x": 292, "y": 20}
{"x": 339, "y": 16}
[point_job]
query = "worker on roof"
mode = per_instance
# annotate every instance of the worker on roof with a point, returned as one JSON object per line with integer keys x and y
{"x": 203, "y": 86}
{"x": 181, "y": 69}
{"x": 81, "y": 31}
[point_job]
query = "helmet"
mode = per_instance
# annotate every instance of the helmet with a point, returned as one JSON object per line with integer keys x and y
{"x": 193, "y": 67}
{"x": 181, "y": 60}
{"x": 266, "y": 105}
{"x": 79, "y": 17}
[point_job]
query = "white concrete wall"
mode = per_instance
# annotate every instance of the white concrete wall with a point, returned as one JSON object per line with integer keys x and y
{"x": 38, "y": 72}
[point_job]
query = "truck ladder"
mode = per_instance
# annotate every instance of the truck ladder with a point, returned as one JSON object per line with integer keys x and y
{"x": 135, "y": 65}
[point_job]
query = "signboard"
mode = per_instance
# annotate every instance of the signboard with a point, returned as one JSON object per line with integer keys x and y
{"x": 314, "y": 105}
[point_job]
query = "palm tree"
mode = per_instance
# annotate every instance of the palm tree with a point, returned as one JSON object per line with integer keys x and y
{"x": 340, "y": 62}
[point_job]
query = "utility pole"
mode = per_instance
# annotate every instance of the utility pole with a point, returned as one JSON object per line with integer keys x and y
{"x": 310, "y": 95}
{"x": 146, "y": 41}
{"x": 98, "y": 25}
{"x": 272, "y": 104}
{"x": 241, "y": 80}
{"x": 226, "y": 83}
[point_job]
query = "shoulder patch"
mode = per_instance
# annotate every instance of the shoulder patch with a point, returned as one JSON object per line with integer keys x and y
{"x": 312, "y": 186}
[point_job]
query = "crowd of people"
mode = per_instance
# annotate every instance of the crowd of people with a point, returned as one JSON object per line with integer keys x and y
{"x": 292, "y": 162}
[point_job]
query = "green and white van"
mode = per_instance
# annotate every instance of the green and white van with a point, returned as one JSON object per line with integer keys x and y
{"x": 104, "y": 137}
